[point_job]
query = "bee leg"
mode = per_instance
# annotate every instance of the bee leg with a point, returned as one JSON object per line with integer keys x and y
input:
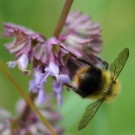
{"x": 104, "y": 63}
{"x": 70, "y": 86}
{"x": 68, "y": 89}
{"x": 84, "y": 61}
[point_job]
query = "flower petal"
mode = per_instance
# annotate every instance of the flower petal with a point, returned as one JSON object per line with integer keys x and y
{"x": 53, "y": 40}
{"x": 57, "y": 88}
{"x": 63, "y": 78}
{"x": 59, "y": 99}
{"x": 52, "y": 69}
{"x": 38, "y": 76}
{"x": 33, "y": 87}
{"x": 41, "y": 96}
{"x": 11, "y": 64}
{"x": 36, "y": 83}
{"x": 22, "y": 62}
{"x": 42, "y": 52}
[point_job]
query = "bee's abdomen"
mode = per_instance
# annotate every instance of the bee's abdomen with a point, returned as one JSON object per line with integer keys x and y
{"x": 89, "y": 81}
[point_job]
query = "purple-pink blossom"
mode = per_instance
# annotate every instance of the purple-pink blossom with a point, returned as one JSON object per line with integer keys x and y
{"x": 54, "y": 57}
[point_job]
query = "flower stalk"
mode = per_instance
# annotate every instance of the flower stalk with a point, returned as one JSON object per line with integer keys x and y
{"x": 63, "y": 16}
{"x": 27, "y": 109}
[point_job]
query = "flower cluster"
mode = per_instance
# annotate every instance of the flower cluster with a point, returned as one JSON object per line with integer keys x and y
{"x": 33, "y": 126}
{"x": 83, "y": 38}
{"x": 46, "y": 56}
{"x": 54, "y": 57}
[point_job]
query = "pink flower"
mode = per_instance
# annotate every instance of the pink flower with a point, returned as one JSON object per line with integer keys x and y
{"x": 53, "y": 57}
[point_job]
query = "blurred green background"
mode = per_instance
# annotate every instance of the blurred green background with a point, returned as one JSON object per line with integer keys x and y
{"x": 117, "y": 19}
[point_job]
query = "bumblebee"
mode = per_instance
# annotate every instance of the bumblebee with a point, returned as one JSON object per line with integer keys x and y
{"x": 100, "y": 84}
{"x": 92, "y": 82}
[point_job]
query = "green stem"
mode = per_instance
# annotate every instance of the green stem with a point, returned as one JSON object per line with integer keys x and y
{"x": 26, "y": 98}
{"x": 63, "y": 17}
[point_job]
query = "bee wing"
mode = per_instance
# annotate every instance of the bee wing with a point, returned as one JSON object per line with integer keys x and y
{"x": 118, "y": 64}
{"x": 86, "y": 60}
{"x": 89, "y": 113}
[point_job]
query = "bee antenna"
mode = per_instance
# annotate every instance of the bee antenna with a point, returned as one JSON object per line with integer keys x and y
{"x": 70, "y": 87}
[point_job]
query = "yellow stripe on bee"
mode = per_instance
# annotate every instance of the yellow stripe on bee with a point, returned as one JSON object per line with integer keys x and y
{"x": 80, "y": 73}
{"x": 104, "y": 84}
{"x": 114, "y": 92}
